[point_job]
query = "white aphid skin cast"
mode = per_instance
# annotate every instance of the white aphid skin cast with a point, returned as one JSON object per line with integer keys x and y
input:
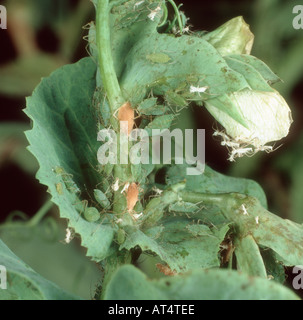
{"x": 115, "y": 186}
{"x": 257, "y": 220}
{"x": 243, "y": 209}
{"x": 238, "y": 146}
{"x": 237, "y": 153}
{"x": 137, "y": 4}
{"x": 125, "y": 188}
{"x": 69, "y": 235}
{"x": 267, "y": 149}
{"x": 157, "y": 190}
{"x": 193, "y": 89}
{"x": 230, "y": 144}
{"x": 136, "y": 216}
{"x": 186, "y": 29}
{"x": 154, "y": 13}
{"x": 221, "y": 134}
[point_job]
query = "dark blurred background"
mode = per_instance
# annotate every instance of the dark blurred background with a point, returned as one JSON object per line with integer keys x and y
{"x": 43, "y": 35}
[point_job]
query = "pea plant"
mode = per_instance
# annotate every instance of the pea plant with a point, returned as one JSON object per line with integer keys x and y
{"x": 209, "y": 235}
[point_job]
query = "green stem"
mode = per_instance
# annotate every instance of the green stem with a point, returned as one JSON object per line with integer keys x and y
{"x": 177, "y": 14}
{"x": 33, "y": 221}
{"x": 115, "y": 99}
{"x": 40, "y": 214}
{"x": 106, "y": 63}
{"x": 109, "y": 81}
{"x": 195, "y": 197}
{"x": 165, "y": 15}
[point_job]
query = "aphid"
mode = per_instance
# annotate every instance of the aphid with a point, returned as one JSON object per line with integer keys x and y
{"x": 120, "y": 236}
{"x": 158, "y": 57}
{"x": 69, "y": 236}
{"x": 160, "y": 122}
{"x": 67, "y": 179}
{"x": 149, "y": 107}
{"x": 132, "y": 196}
{"x": 175, "y": 99}
{"x": 59, "y": 188}
{"x": 91, "y": 214}
{"x": 101, "y": 198}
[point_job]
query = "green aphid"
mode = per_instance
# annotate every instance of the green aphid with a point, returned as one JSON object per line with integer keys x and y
{"x": 120, "y": 236}
{"x": 154, "y": 210}
{"x": 101, "y": 198}
{"x": 59, "y": 188}
{"x": 91, "y": 214}
{"x": 149, "y": 107}
{"x": 185, "y": 207}
{"x": 160, "y": 122}
{"x": 67, "y": 179}
{"x": 175, "y": 100}
{"x": 158, "y": 57}
{"x": 60, "y": 171}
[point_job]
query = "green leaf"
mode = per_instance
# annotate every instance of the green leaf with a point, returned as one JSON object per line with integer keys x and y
{"x": 64, "y": 140}
{"x": 249, "y": 259}
{"x": 214, "y": 182}
{"x": 128, "y": 24}
{"x": 215, "y": 284}
{"x": 23, "y": 283}
{"x": 252, "y": 76}
{"x": 258, "y": 65}
{"x": 20, "y": 77}
{"x": 199, "y": 60}
{"x": 180, "y": 243}
{"x": 268, "y": 230}
{"x": 274, "y": 268}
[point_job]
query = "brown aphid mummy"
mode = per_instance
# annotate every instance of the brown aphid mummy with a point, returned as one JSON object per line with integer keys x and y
{"x": 127, "y": 113}
{"x": 132, "y": 196}
{"x": 165, "y": 269}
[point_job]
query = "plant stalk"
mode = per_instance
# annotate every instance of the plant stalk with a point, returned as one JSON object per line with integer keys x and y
{"x": 105, "y": 59}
